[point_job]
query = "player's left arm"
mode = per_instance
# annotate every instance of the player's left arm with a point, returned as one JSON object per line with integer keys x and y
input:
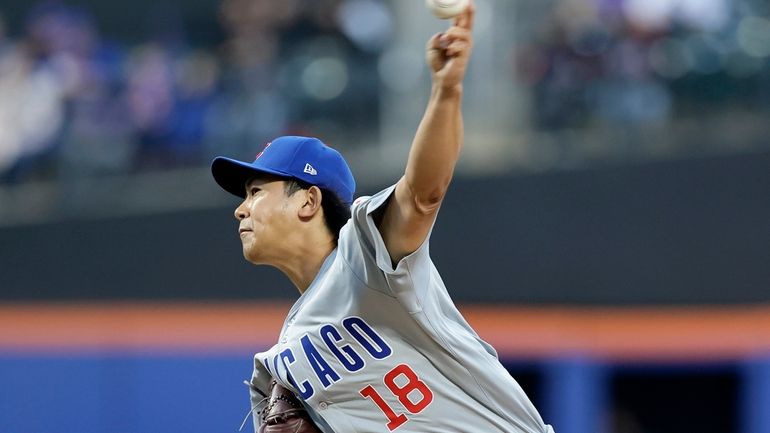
{"x": 405, "y": 221}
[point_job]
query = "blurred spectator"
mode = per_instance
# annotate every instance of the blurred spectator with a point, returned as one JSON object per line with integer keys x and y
{"x": 95, "y": 140}
{"x": 9, "y": 146}
{"x": 34, "y": 83}
{"x": 250, "y": 108}
{"x": 594, "y": 68}
{"x": 624, "y": 64}
{"x": 290, "y": 67}
{"x": 150, "y": 99}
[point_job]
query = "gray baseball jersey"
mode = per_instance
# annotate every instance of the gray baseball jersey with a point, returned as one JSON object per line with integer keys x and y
{"x": 373, "y": 348}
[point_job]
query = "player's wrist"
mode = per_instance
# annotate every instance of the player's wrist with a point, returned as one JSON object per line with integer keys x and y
{"x": 442, "y": 91}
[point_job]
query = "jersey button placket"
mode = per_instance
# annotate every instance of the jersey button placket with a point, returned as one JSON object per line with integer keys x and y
{"x": 323, "y": 405}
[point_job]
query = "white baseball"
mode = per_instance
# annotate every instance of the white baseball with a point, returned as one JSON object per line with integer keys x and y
{"x": 446, "y": 9}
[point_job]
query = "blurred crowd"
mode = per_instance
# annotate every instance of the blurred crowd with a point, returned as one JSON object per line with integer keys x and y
{"x": 76, "y": 103}
{"x": 639, "y": 62}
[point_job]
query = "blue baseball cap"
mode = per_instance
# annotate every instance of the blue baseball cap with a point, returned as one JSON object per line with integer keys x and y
{"x": 305, "y": 158}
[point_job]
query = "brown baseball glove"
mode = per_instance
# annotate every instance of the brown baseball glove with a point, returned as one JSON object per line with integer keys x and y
{"x": 284, "y": 413}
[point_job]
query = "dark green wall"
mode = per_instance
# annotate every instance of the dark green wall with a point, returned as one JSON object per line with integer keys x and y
{"x": 693, "y": 231}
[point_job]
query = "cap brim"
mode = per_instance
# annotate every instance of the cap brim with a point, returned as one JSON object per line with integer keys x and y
{"x": 232, "y": 174}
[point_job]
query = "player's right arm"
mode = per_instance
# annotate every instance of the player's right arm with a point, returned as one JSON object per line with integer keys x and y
{"x": 405, "y": 221}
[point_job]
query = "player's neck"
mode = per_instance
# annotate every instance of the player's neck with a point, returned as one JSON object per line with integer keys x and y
{"x": 304, "y": 264}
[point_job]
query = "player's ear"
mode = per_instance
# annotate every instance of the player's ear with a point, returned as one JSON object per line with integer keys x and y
{"x": 312, "y": 202}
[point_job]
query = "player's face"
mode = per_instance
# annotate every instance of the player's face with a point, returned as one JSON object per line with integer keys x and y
{"x": 267, "y": 218}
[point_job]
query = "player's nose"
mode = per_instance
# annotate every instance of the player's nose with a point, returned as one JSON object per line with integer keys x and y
{"x": 242, "y": 211}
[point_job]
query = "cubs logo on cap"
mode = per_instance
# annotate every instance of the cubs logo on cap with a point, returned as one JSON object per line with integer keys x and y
{"x": 305, "y": 158}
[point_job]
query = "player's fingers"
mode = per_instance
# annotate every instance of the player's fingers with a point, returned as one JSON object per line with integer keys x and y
{"x": 456, "y": 33}
{"x": 465, "y": 19}
{"x": 457, "y": 48}
{"x": 435, "y": 43}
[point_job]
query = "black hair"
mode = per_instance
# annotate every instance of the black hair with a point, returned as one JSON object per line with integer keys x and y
{"x": 336, "y": 212}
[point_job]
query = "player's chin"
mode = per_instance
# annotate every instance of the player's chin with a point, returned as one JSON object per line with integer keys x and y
{"x": 250, "y": 254}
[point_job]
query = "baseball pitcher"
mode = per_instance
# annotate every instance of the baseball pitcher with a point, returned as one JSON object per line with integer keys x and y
{"x": 374, "y": 343}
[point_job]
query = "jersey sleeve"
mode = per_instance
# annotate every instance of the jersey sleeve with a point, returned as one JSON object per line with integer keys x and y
{"x": 362, "y": 246}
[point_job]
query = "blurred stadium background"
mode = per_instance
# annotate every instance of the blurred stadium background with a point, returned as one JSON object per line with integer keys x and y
{"x": 608, "y": 230}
